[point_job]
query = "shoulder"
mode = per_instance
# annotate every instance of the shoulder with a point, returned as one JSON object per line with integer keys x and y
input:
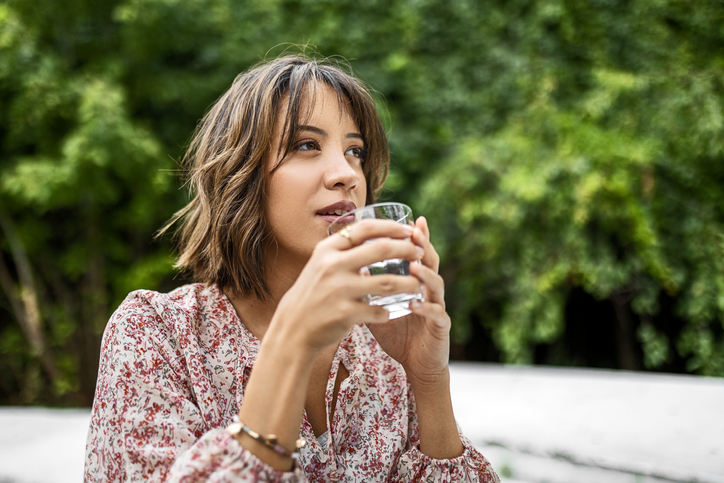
{"x": 166, "y": 314}
{"x": 144, "y": 307}
{"x": 187, "y": 298}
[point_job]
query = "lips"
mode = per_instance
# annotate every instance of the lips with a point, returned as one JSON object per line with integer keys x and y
{"x": 335, "y": 210}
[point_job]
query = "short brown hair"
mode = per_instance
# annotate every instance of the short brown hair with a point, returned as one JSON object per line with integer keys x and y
{"x": 223, "y": 229}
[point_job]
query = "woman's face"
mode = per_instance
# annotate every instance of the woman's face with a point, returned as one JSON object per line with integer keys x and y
{"x": 321, "y": 177}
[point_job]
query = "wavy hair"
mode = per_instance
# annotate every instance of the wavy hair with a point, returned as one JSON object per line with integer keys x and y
{"x": 222, "y": 229}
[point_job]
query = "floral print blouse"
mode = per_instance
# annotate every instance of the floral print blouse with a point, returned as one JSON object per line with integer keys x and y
{"x": 172, "y": 375}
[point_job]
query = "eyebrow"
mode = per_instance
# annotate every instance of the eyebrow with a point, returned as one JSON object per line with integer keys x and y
{"x": 321, "y": 132}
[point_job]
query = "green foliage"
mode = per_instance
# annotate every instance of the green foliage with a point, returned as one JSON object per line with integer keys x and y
{"x": 615, "y": 189}
{"x": 555, "y": 146}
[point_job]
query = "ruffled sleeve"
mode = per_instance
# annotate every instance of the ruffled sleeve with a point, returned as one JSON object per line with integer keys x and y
{"x": 413, "y": 465}
{"x": 150, "y": 421}
{"x": 471, "y": 466}
{"x": 218, "y": 457}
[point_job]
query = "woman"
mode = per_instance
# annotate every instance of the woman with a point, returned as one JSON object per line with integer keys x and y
{"x": 291, "y": 145}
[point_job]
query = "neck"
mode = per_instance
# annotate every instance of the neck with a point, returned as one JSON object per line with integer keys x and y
{"x": 280, "y": 274}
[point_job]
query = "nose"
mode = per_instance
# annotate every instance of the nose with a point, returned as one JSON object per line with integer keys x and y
{"x": 340, "y": 174}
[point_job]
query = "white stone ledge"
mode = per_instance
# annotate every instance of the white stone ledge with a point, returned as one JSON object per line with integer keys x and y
{"x": 535, "y": 424}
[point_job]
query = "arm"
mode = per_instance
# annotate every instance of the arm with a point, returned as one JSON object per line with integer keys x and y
{"x": 324, "y": 303}
{"x": 420, "y": 342}
{"x": 150, "y": 409}
{"x": 276, "y": 408}
{"x": 423, "y": 462}
{"x": 438, "y": 432}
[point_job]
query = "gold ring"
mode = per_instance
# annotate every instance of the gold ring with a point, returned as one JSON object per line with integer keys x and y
{"x": 345, "y": 233}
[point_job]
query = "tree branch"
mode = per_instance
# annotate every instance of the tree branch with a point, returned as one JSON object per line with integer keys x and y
{"x": 25, "y": 303}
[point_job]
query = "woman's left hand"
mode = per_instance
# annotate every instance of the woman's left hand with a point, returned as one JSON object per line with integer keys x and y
{"x": 421, "y": 341}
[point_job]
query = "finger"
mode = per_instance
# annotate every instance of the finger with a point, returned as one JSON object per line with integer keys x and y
{"x": 421, "y": 223}
{"x": 371, "y": 314}
{"x": 433, "y": 312}
{"x": 383, "y": 249}
{"x": 421, "y": 233}
{"x": 421, "y": 237}
{"x": 434, "y": 283}
{"x": 358, "y": 233}
{"x": 383, "y": 285}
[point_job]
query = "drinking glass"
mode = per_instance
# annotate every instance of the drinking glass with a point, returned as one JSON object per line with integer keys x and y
{"x": 397, "y": 305}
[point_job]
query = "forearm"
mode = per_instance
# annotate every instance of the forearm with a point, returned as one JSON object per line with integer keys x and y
{"x": 439, "y": 437}
{"x": 274, "y": 398}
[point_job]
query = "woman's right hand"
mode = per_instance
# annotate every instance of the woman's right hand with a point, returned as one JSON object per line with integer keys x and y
{"x": 327, "y": 299}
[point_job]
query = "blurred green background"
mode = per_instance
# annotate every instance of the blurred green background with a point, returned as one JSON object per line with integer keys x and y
{"x": 568, "y": 154}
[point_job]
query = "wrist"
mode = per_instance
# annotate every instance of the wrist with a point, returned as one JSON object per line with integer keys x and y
{"x": 439, "y": 437}
{"x": 433, "y": 397}
{"x": 431, "y": 384}
{"x": 281, "y": 459}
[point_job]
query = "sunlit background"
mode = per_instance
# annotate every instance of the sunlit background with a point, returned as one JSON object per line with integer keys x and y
{"x": 568, "y": 155}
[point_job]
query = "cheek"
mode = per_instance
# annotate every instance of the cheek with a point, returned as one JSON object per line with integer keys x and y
{"x": 286, "y": 200}
{"x": 279, "y": 198}
{"x": 291, "y": 187}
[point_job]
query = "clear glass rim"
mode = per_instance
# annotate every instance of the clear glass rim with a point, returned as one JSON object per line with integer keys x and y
{"x": 404, "y": 207}
{"x": 383, "y": 203}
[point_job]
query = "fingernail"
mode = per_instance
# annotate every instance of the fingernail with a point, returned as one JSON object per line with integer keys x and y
{"x": 420, "y": 251}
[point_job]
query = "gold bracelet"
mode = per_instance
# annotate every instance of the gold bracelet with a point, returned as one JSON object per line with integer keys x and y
{"x": 270, "y": 440}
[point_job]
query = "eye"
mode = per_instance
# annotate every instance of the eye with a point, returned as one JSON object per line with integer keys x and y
{"x": 357, "y": 152}
{"x": 307, "y": 145}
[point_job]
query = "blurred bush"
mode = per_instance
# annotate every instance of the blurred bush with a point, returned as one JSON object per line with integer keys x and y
{"x": 567, "y": 153}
